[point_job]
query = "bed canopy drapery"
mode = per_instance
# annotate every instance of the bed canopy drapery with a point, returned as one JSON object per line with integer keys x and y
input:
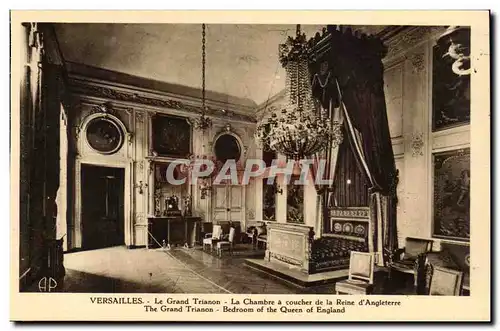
{"x": 347, "y": 79}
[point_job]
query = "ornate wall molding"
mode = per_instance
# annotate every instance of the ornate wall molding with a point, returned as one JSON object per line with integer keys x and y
{"x": 130, "y": 137}
{"x": 417, "y": 144}
{"x": 105, "y": 108}
{"x": 77, "y": 130}
{"x": 107, "y": 92}
{"x": 151, "y": 166}
{"x": 139, "y": 116}
{"x": 140, "y": 219}
{"x": 405, "y": 40}
{"x": 418, "y": 61}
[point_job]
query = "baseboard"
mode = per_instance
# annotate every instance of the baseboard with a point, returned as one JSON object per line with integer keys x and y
{"x": 74, "y": 250}
{"x": 136, "y": 246}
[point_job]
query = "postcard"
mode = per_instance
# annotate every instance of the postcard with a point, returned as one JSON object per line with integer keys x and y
{"x": 250, "y": 166}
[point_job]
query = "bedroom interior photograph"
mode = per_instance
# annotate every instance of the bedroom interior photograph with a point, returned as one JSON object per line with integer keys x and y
{"x": 115, "y": 117}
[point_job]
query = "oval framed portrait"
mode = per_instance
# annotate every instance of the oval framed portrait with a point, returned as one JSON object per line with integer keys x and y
{"x": 104, "y": 135}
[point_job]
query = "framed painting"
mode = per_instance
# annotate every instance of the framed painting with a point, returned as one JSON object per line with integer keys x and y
{"x": 451, "y": 79}
{"x": 171, "y": 136}
{"x": 295, "y": 202}
{"x": 451, "y": 217}
{"x": 269, "y": 200}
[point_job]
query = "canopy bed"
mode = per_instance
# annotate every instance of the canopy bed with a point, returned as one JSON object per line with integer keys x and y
{"x": 347, "y": 75}
{"x": 344, "y": 89}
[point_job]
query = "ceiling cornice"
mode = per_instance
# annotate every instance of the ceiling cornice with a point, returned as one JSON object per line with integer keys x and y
{"x": 409, "y": 37}
{"x": 391, "y": 32}
{"x": 111, "y": 77}
{"x": 85, "y": 87}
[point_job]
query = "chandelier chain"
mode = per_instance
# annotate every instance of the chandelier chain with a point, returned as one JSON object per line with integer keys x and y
{"x": 203, "y": 62}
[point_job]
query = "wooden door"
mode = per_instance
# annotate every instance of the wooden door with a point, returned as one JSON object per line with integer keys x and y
{"x": 228, "y": 202}
{"x": 102, "y": 207}
{"x": 235, "y": 197}
{"x": 220, "y": 203}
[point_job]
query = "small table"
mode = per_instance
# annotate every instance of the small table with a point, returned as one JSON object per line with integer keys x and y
{"x": 174, "y": 230}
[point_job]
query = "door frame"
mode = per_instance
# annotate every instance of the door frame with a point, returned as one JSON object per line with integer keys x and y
{"x": 75, "y": 241}
{"x": 122, "y": 189}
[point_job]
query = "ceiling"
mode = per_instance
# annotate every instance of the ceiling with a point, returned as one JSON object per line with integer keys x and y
{"x": 241, "y": 59}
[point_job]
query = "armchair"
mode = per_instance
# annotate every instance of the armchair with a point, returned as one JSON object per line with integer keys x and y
{"x": 211, "y": 239}
{"x": 455, "y": 256}
{"x": 237, "y": 231}
{"x": 257, "y": 234}
{"x": 360, "y": 281}
{"x": 410, "y": 259}
{"x": 446, "y": 281}
{"x": 260, "y": 235}
{"x": 221, "y": 245}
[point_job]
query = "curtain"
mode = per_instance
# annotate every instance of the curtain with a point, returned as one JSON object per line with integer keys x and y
{"x": 351, "y": 184}
{"x": 324, "y": 167}
{"x": 360, "y": 80}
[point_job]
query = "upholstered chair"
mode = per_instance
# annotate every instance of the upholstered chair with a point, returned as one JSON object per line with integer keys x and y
{"x": 238, "y": 233}
{"x": 446, "y": 281}
{"x": 221, "y": 245}
{"x": 360, "y": 281}
{"x": 260, "y": 234}
{"x": 455, "y": 256}
{"x": 411, "y": 259}
{"x": 212, "y": 238}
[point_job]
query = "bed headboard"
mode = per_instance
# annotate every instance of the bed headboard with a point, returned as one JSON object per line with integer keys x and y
{"x": 349, "y": 222}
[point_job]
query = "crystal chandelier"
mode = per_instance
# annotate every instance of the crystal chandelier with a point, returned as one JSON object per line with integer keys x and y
{"x": 299, "y": 130}
{"x": 203, "y": 122}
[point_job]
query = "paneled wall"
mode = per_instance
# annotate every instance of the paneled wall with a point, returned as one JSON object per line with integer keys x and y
{"x": 408, "y": 89}
{"x": 133, "y": 108}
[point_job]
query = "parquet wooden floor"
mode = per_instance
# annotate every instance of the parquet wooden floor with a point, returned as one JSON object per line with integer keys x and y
{"x": 122, "y": 270}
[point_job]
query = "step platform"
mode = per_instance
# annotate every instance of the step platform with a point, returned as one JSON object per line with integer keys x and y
{"x": 296, "y": 277}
